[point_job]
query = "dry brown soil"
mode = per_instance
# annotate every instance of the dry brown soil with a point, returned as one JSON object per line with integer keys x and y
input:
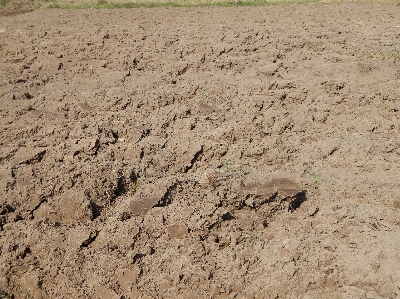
{"x": 15, "y": 7}
{"x": 201, "y": 153}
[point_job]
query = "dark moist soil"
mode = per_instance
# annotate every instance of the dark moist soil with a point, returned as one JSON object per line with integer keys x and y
{"x": 201, "y": 152}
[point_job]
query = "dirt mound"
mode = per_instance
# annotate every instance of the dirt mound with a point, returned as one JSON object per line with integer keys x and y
{"x": 15, "y": 7}
{"x": 200, "y": 153}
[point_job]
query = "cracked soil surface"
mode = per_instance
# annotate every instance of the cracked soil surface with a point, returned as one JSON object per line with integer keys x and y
{"x": 243, "y": 152}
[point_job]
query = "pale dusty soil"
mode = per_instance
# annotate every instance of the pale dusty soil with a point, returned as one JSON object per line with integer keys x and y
{"x": 201, "y": 153}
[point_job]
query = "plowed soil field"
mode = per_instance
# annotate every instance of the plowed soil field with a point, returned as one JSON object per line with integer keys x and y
{"x": 242, "y": 152}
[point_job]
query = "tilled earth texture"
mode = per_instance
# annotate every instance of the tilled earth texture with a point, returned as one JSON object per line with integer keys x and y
{"x": 201, "y": 152}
